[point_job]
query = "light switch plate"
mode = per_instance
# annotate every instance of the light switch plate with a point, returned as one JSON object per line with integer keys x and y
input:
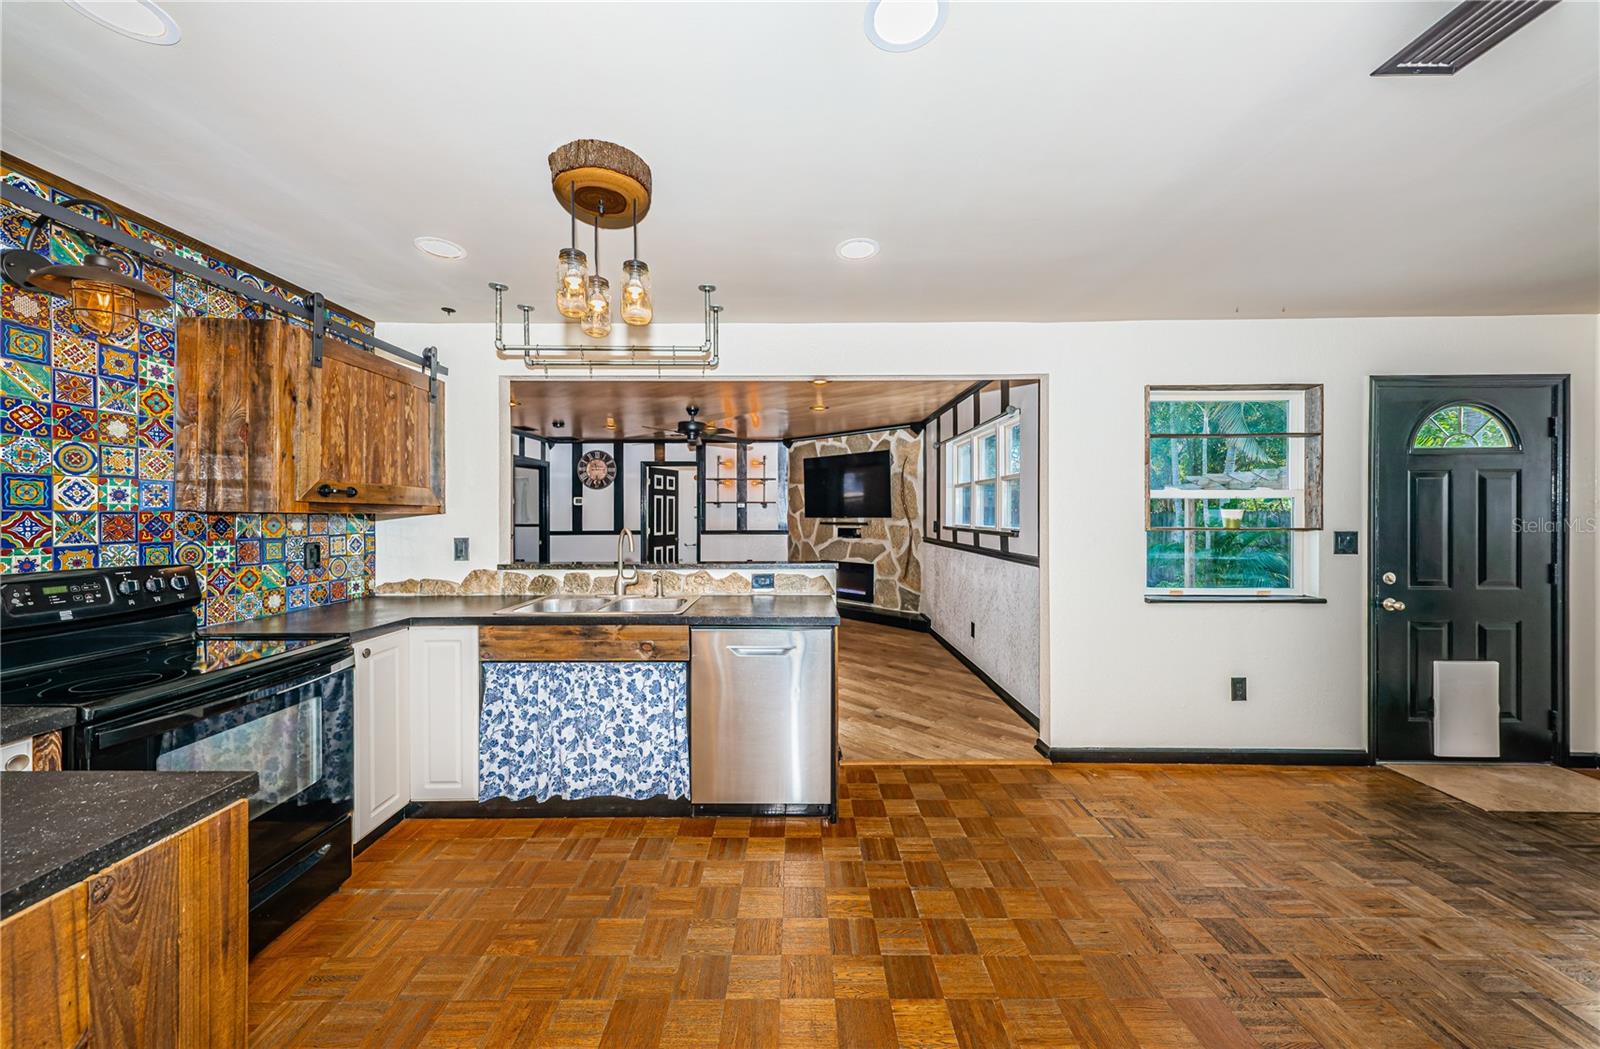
{"x": 462, "y": 545}
{"x": 1346, "y": 542}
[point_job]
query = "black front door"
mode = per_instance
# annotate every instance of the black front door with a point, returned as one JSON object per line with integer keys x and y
{"x": 1468, "y": 501}
{"x": 661, "y": 515}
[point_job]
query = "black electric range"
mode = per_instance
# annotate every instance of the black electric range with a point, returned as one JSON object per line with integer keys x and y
{"x": 120, "y": 648}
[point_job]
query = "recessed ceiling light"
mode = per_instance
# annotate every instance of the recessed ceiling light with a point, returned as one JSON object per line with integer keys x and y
{"x": 905, "y": 25}
{"x": 440, "y": 248}
{"x": 142, "y": 20}
{"x": 819, "y": 382}
{"x": 857, "y": 248}
{"x": 819, "y": 407}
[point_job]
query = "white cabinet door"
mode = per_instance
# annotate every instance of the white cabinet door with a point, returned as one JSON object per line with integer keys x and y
{"x": 383, "y": 738}
{"x": 444, "y": 713}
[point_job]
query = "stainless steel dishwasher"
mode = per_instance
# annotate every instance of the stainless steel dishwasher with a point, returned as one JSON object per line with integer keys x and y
{"x": 761, "y": 717}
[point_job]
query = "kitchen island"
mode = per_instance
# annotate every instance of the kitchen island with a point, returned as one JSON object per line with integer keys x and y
{"x": 481, "y": 705}
{"x": 123, "y": 902}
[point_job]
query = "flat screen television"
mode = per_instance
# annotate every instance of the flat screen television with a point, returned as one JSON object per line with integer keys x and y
{"x": 848, "y": 485}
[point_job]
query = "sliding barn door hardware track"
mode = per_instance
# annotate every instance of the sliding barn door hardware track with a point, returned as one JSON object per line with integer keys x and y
{"x": 313, "y": 312}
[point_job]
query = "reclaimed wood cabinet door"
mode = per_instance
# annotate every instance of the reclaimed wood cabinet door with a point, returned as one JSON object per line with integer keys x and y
{"x": 367, "y": 434}
{"x": 262, "y": 428}
{"x": 168, "y": 940}
{"x": 444, "y": 713}
{"x": 383, "y": 730}
{"x": 44, "y": 973}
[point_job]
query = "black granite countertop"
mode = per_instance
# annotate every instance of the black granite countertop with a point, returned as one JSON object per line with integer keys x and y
{"x": 26, "y": 722}
{"x": 716, "y": 566}
{"x": 62, "y": 827}
{"x": 370, "y": 616}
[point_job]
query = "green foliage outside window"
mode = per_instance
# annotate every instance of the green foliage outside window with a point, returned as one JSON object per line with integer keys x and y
{"x": 1244, "y": 550}
{"x": 1462, "y": 426}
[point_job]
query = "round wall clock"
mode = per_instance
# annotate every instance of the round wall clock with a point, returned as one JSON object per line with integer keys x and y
{"x": 597, "y": 470}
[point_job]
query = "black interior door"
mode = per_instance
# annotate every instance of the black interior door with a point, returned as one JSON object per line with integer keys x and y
{"x": 530, "y": 510}
{"x": 661, "y": 515}
{"x": 1468, "y": 498}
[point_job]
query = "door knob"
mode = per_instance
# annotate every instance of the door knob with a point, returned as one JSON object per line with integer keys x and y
{"x": 1391, "y": 605}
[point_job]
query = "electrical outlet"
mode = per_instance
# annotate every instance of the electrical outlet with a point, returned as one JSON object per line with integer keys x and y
{"x": 311, "y": 556}
{"x": 972, "y": 628}
{"x": 761, "y": 581}
{"x": 461, "y": 548}
{"x": 1236, "y": 690}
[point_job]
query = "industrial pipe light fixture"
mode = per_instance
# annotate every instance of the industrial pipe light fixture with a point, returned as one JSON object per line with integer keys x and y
{"x": 101, "y": 297}
{"x": 607, "y": 186}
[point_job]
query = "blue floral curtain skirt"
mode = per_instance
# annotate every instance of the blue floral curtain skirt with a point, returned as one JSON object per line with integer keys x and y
{"x": 584, "y": 730}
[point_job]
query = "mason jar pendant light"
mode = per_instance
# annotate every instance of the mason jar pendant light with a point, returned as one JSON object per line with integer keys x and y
{"x": 636, "y": 309}
{"x": 597, "y": 302}
{"x": 572, "y": 272}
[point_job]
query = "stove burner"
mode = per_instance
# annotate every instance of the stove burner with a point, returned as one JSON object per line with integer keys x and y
{"x": 116, "y": 684}
{"x": 104, "y": 686}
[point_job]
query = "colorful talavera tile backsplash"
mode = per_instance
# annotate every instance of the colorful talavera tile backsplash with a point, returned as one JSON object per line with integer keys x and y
{"x": 87, "y": 449}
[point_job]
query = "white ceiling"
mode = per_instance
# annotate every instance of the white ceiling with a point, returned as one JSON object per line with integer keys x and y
{"x": 1035, "y": 162}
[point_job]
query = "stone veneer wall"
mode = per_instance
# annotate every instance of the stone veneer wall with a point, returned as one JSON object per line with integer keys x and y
{"x": 673, "y": 582}
{"x": 893, "y": 544}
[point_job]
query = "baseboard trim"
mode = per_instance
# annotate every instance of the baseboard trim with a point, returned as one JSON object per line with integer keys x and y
{"x": 1580, "y": 760}
{"x": 883, "y": 616}
{"x": 505, "y": 808}
{"x": 377, "y": 832}
{"x": 994, "y": 686}
{"x": 1181, "y": 756}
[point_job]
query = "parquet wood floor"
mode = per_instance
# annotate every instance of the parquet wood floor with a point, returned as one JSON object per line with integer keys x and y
{"x": 976, "y": 906}
{"x": 902, "y": 697}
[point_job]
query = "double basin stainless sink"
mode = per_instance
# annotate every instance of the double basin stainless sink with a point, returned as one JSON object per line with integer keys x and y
{"x": 600, "y": 606}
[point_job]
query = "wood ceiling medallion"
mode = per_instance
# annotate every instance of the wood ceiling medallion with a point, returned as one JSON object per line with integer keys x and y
{"x": 590, "y": 172}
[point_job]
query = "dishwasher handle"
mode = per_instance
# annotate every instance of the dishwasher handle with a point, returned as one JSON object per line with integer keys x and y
{"x": 761, "y": 650}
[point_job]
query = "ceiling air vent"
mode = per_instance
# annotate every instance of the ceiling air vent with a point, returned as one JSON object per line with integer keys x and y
{"x": 1462, "y": 35}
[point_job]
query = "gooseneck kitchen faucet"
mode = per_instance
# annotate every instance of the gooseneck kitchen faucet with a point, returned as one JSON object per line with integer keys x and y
{"x": 625, "y": 537}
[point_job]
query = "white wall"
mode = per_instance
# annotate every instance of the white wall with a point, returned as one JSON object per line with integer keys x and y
{"x": 962, "y": 590}
{"x": 744, "y": 547}
{"x": 1115, "y": 671}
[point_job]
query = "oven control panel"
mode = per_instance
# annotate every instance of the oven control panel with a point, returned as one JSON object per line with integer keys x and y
{"x": 95, "y": 592}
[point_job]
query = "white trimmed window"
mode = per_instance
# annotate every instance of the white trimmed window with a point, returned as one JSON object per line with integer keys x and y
{"x": 1233, "y": 490}
{"x": 983, "y": 476}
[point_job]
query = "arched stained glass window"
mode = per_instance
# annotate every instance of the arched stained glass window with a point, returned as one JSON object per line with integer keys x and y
{"x": 1463, "y": 426}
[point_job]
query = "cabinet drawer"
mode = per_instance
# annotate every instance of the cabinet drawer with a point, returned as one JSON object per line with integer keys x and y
{"x": 599, "y": 644}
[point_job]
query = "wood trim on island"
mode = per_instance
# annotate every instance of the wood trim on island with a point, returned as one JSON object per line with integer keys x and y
{"x": 598, "y": 643}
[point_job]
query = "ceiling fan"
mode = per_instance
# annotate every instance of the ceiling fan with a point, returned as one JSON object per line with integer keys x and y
{"x": 695, "y": 432}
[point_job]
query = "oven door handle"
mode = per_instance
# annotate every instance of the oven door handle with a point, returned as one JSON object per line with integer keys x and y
{"x": 113, "y": 736}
